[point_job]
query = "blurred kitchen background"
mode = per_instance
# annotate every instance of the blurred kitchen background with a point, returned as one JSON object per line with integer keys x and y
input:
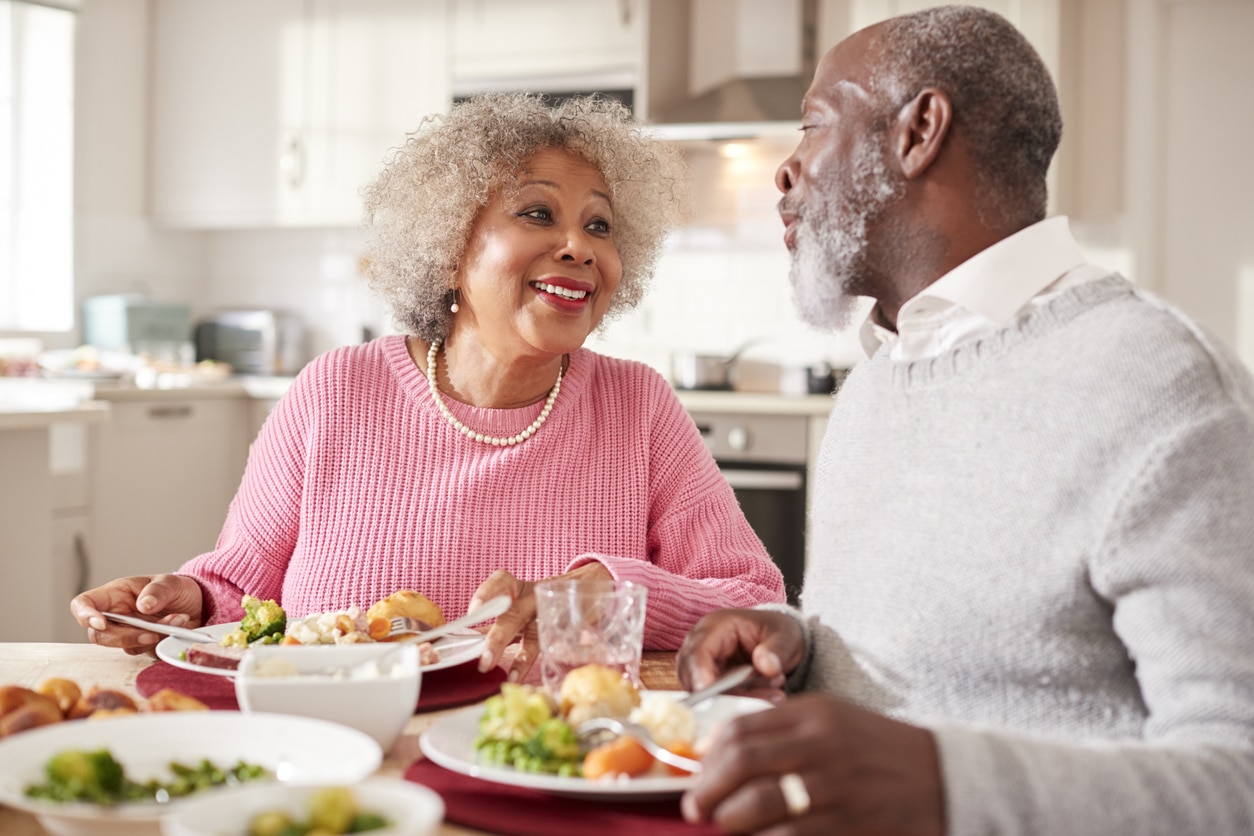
{"x": 218, "y": 146}
{"x": 182, "y": 178}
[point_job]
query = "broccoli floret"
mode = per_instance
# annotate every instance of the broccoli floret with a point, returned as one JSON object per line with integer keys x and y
{"x": 554, "y": 741}
{"x": 263, "y": 620}
{"x": 77, "y": 775}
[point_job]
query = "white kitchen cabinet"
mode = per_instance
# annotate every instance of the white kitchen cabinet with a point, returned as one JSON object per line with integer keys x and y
{"x": 163, "y": 472}
{"x": 277, "y": 113}
{"x": 42, "y": 493}
{"x": 504, "y": 40}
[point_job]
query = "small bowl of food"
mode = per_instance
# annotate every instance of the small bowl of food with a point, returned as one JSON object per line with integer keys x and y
{"x": 382, "y": 806}
{"x": 121, "y": 775}
{"x": 370, "y": 687}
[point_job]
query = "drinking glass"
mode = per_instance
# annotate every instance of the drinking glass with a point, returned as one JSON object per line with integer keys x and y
{"x": 583, "y": 622}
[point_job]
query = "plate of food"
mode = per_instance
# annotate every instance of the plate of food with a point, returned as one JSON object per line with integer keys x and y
{"x": 89, "y": 363}
{"x": 265, "y": 623}
{"x": 523, "y": 738}
{"x": 121, "y": 775}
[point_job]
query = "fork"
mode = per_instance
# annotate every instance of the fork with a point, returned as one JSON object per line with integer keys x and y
{"x": 423, "y": 632}
{"x": 590, "y": 729}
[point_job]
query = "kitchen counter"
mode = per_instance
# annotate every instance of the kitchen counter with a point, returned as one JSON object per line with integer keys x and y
{"x": 34, "y": 416}
{"x": 755, "y": 403}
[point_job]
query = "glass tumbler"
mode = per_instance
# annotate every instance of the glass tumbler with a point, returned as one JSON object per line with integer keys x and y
{"x": 583, "y": 622}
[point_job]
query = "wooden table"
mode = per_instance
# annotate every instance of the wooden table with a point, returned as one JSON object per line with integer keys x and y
{"x": 29, "y": 663}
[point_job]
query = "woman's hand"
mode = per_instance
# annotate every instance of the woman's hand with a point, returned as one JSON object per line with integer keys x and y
{"x": 170, "y": 599}
{"x": 520, "y": 618}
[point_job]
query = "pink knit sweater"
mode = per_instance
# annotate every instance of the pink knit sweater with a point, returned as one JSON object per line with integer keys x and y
{"x": 357, "y": 486}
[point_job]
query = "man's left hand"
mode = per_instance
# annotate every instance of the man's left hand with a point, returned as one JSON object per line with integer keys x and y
{"x": 818, "y": 764}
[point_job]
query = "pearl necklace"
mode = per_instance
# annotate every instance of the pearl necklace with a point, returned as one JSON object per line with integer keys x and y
{"x": 508, "y": 441}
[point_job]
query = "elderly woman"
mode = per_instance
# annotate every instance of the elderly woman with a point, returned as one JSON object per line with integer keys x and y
{"x": 487, "y": 449}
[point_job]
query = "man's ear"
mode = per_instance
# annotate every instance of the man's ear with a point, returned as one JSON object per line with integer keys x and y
{"x": 922, "y": 125}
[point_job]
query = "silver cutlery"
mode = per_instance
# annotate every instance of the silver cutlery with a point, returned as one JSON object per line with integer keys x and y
{"x": 422, "y": 632}
{"x": 165, "y": 629}
{"x": 736, "y": 676}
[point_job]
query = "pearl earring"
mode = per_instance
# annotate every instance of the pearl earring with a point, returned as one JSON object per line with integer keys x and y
{"x": 455, "y": 307}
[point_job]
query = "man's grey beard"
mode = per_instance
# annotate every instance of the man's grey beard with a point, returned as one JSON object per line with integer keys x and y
{"x": 829, "y": 261}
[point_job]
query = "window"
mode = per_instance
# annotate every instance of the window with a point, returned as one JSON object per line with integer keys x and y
{"x": 36, "y": 166}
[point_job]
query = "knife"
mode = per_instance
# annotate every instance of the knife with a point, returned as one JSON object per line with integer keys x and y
{"x": 166, "y": 629}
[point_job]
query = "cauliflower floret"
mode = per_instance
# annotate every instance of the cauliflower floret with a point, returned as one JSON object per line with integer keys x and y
{"x": 344, "y": 627}
{"x": 670, "y": 721}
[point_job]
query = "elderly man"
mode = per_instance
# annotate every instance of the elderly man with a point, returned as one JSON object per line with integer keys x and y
{"x": 1030, "y": 604}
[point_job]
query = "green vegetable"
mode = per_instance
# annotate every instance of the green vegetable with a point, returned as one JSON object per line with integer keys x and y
{"x": 264, "y": 622}
{"x": 332, "y": 810}
{"x": 75, "y": 775}
{"x": 84, "y": 776}
{"x": 273, "y": 823}
{"x": 518, "y": 728}
{"x": 514, "y": 714}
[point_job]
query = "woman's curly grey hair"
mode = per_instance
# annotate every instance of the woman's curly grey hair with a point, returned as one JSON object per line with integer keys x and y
{"x": 420, "y": 210}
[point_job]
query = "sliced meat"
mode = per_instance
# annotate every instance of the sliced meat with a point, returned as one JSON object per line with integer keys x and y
{"x": 216, "y": 656}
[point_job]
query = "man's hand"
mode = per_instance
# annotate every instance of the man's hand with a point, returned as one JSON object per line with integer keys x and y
{"x": 852, "y": 772}
{"x": 772, "y": 642}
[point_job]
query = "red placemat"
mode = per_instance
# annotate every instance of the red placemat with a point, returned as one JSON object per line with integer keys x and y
{"x": 447, "y": 688}
{"x": 515, "y": 811}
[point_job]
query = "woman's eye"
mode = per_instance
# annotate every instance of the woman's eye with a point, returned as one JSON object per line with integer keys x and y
{"x": 539, "y": 213}
{"x": 600, "y": 226}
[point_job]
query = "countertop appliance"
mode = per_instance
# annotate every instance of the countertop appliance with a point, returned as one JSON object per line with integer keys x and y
{"x": 259, "y": 341}
{"x": 133, "y": 322}
{"x": 763, "y": 458}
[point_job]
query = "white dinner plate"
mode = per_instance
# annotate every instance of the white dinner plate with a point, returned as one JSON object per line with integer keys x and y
{"x": 449, "y": 742}
{"x": 302, "y": 750}
{"x": 456, "y": 649}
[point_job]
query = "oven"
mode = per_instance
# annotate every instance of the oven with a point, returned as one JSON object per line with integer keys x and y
{"x": 763, "y": 458}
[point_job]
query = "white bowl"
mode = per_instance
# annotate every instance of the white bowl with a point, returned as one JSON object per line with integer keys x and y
{"x": 299, "y": 749}
{"x": 312, "y": 682}
{"x": 412, "y": 809}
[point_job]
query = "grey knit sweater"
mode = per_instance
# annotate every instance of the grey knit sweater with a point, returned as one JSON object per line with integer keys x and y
{"x": 1040, "y": 545}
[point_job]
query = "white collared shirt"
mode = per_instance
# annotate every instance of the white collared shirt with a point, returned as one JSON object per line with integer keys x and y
{"x": 985, "y": 292}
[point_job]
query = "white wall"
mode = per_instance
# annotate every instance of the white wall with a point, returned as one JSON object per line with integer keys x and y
{"x": 116, "y": 249}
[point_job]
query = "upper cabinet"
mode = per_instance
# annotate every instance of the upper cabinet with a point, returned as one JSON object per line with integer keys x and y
{"x": 278, "y": 113}
{"x": 505, "y": 42}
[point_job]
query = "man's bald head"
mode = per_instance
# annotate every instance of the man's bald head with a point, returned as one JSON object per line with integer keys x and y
{"x": 1004, "y": 102}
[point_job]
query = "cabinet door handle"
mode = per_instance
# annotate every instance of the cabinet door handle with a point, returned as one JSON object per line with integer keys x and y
{"x": 163, "y": 412}
{"x": 82, "y": 564}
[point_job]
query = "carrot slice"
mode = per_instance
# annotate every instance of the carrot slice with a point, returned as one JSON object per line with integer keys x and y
{"x": 681, "y": 749}
{"x": 622, "y": 756}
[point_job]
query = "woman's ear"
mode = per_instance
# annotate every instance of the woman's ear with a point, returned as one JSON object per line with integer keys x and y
{"x": 922, "y": 126}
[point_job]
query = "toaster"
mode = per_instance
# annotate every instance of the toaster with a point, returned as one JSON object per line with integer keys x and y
{"x": 260, "y": 342}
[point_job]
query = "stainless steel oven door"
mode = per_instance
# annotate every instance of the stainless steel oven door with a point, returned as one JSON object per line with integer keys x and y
{"x": 773, "y": 499}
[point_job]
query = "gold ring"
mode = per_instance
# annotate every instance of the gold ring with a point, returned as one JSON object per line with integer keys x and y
{"x": 795, "y": 796}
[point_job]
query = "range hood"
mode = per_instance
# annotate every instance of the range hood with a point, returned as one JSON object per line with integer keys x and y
{"x": 705, "y": 70}
{"x": 728, "y": 69}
